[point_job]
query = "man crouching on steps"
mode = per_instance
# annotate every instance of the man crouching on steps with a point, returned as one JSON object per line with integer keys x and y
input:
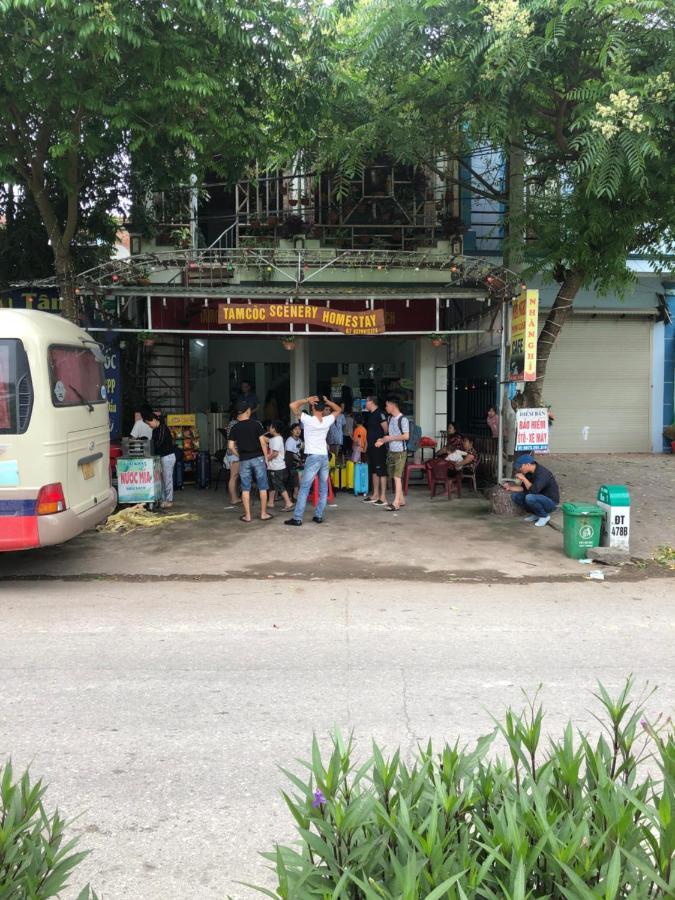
{"x": 315, "y": 430}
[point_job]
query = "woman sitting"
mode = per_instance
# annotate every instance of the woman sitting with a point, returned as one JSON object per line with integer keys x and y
{"x": 453, "y": 441}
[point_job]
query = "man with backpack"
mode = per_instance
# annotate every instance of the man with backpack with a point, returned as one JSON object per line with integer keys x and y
{"x": 396, "y": 441}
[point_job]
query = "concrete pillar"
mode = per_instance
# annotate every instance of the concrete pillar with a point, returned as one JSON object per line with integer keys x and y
{"x": 431, "y": 386}
{"x": 300, "y": 368}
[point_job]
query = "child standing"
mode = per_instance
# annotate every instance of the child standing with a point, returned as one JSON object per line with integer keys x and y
{"x": 360, "y": 438}
{"x": 294, "y": 449}
{"x": 276, "y": 465}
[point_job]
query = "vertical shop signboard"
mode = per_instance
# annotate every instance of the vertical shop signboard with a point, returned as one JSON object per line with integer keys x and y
{"x": 532, "y": 430}
{"x": 113, "y": 384}
{"x": 524, "y": 322}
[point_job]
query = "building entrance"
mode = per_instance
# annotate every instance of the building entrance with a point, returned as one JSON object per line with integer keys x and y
{"x": 350, "y": 369}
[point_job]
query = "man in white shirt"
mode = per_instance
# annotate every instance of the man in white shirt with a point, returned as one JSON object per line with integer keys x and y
{"x": 315, "y": 429}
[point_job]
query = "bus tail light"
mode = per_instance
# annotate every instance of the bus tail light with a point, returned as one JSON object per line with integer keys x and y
{"x": 51, "y": 499}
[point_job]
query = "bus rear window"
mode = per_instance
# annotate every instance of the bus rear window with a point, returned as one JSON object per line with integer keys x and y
{"x": 76, "y": 376}
{"x": 16, "y": 389}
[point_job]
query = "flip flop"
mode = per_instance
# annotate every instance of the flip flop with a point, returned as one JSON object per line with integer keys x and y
{"x": 245, "y": 520}
{"x": 392, "y": 508}
{"x": 266, "y": 519}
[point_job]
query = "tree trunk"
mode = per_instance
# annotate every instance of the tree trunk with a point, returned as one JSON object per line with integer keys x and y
{"x": 555, "y": 320}
{"x": 514, "y": 239}
{"x": 65, "y": 274}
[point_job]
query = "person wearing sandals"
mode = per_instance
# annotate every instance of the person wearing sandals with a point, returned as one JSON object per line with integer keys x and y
{"x": 377, "y": 453}
{"x": 232, "y": 463}
{"x": 395, "y": 440}
{"x": 248, "y": 442}
{"x": 276, "y": 466}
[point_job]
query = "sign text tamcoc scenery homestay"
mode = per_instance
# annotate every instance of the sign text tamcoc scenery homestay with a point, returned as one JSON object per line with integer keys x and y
{"x": 345, "y": 321}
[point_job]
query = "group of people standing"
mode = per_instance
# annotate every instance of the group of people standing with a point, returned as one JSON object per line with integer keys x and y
{"x": 258, "y": 452}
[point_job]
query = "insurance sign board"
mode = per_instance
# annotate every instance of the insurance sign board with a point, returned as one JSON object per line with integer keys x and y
{"x": 532, "y": 430}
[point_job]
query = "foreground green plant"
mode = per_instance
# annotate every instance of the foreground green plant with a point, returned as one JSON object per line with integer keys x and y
{"x": 575, "y": 820}
{"x": 36, "y": 860}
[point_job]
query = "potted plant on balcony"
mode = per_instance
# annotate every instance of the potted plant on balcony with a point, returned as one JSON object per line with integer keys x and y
{"x": 437, "y": 339}
{"x": 293, "y": 226}
{"x": 451, "y": 226}
{"x": 148, "y": 338}
{"x": 288, "y": 342}
{"x": 342, "y": 237}
{"x": 182, "y": 237}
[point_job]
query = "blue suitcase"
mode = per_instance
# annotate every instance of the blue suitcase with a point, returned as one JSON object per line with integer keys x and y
{"x": 360, "y": 478}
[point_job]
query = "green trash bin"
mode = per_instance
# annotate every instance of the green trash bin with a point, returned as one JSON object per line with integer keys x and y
{"x": 582, "y": 523}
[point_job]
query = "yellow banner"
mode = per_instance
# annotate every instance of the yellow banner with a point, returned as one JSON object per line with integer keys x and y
{"x": 346, "y": 321}
{"x": 524, "y": 333}
{"x": 181, "y": 420}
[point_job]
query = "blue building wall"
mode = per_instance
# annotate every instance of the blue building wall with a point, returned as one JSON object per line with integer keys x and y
{"x": 669, "y": 361}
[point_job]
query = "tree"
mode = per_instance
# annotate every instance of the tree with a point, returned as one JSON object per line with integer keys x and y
{"x": 90, "y": 89}
{"x": 575, "y": 95}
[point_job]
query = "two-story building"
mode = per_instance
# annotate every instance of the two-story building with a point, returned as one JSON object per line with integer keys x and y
{"x": 300, "y": 285}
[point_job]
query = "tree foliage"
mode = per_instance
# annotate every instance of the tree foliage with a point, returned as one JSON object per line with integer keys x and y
{"x": 581, "y": 90}
{"x": 89, "y": 88}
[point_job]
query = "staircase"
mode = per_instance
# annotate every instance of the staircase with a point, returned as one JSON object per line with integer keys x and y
{"x": 164, "y": 385}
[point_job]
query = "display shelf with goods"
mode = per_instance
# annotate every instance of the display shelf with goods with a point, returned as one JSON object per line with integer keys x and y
{"x": 186, "y": 437}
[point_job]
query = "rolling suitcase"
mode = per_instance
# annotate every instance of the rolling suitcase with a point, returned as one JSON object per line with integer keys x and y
{"x": 360, "y": 478}
{"x": 203, "y": 469}
{"x": 338, "y": 477}
{"x": 349, "y": 475}
{"x": 178, "y": 473}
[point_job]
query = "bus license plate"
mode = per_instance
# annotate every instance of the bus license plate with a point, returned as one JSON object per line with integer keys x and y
{"x": 88, "y": 470}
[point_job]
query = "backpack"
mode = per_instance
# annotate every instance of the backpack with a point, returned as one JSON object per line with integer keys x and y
{"x": 411, "y": 430}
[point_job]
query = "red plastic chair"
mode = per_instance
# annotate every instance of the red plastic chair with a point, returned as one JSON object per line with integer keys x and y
{"x": 115, "y": 454}
{"x": 439, "y": 472}
{"x": 414, "y": 467}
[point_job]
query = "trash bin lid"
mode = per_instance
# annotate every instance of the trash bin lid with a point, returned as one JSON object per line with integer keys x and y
{"x": 614, "y": 495}
{"x": 582, "y": 509}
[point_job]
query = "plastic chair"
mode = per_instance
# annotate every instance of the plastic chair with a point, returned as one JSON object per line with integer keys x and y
{"x": 439, "y": 472}
{"x": 414, "y": 467}
{"x": 468, "y": 473}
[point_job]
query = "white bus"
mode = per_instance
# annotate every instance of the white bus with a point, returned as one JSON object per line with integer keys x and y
{"x": 54, "y": 431}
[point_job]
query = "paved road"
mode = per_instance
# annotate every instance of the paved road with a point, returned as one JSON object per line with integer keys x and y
{"x": 162, "y": 710}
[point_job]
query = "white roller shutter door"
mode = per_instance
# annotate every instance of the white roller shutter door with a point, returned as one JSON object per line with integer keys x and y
{"x": 598, "y": 378}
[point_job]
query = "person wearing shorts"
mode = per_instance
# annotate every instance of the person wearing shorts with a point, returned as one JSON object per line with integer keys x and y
{"x": 232, "y": 465}
{"x": 377, "y": 455}
{"x": 276, "y": 466}
{"x": 248, "y": 442}
{"x": 398, "y": 434}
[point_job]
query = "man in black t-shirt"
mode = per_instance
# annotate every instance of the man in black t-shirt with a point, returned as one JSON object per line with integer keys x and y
{"x": 537, "y": 491}
{"x": 376, "y": 428}
{"x": 247, "y": 441}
